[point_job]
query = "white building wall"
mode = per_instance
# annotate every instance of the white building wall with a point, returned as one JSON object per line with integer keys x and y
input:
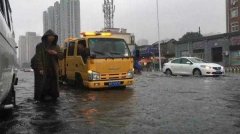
{"x": 66, "y": 19}
{"x": 27, "y": 47}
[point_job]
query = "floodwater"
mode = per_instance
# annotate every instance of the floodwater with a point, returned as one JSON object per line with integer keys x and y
{"x": 155, "y": 104}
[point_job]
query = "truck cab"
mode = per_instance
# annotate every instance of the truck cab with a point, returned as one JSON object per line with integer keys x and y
{"x": 97, "y": 60}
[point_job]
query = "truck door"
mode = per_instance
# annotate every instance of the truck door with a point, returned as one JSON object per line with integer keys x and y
{"x": 64, "y": 62}
{"x": 82, "y": 56}
{"x": 69, "y": 61}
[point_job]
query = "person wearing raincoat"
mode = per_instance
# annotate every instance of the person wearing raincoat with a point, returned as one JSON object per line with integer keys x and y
{"x": 46, "y": 67}
{"x": 137, "y": 66}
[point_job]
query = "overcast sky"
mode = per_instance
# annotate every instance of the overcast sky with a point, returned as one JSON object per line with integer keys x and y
{"x": 138, "y": 16}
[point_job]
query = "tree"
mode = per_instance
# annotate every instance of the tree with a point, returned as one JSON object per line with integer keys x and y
{"x": 191, "y": 36}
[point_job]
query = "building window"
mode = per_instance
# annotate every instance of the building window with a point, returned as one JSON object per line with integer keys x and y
{"x": 234, "y": 12}
{"x": 235, "y": 57}
{"x": 235, "y": 27}
{"x": 234, "y": 2}
{"x": 199, "y": 53}
{"x": 185, "y": 53}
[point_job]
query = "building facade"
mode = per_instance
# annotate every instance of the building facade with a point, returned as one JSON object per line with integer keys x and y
{"x": 232, "y": 15}
{"x": 57, "y": 22}
{"x": 223, "y": 49}
{"x": 167, "y": 49}
{"x": 27, "y": 45}
{"x": 51, "y": 18}
{"x": 22, "y": 57}
{"x": 63, "y": 18}
{"x": 45, "y": 21}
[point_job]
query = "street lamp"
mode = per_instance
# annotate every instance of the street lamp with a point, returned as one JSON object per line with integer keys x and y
{"x": 159, "y": 45}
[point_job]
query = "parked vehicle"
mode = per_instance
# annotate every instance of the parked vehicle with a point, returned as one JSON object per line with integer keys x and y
{"x": 8, "y": 57}
{"x": 192, "y": 66}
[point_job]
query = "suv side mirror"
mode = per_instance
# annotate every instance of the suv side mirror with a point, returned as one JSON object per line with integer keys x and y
{"x": 190, "y": 63}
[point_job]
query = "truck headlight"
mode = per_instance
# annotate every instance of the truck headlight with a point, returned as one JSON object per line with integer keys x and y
{"x": 130, "y": 74}
{"x": 93, "y": 75}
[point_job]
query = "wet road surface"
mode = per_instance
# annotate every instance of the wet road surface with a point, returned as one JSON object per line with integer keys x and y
{"x": 155, "y": 104}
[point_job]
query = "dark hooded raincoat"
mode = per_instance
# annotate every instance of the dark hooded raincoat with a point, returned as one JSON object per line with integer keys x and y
{"x": 46, "y": 84}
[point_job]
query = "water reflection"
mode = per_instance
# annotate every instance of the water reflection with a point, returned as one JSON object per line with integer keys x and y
{"x": 47, "y": 118}
{"x": 110, "y": 107}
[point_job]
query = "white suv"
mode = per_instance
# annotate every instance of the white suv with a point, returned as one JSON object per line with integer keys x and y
{"x": 192, "y": 66}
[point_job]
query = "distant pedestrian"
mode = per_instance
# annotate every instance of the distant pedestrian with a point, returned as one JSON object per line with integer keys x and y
{"x": 46, "y": 67}
{"x": 137, "y": 65}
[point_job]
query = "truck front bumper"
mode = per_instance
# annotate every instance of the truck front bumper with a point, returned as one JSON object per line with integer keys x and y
{"x": 108, "y": 84}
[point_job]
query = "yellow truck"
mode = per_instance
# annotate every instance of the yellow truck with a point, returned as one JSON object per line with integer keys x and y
{"x": 97, "y": 60}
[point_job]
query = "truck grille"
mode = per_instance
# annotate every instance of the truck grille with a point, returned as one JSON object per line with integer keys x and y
{"x": 113, "y": 76}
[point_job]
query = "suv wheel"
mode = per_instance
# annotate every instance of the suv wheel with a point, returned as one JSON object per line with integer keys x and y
{"x": 168, "y": 72}
{"x": 197, "y": 73}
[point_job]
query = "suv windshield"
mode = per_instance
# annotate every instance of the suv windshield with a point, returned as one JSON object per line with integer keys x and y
{"x": 108, "y": 48}
{"x": 197, "y": 60}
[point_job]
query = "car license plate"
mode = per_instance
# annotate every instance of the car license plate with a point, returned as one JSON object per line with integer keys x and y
{"x": 218, "y": 72}
{"x": 114, "y": 84}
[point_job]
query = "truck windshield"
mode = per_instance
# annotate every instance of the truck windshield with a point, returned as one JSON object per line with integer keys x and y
{"x": 108, "y": 48}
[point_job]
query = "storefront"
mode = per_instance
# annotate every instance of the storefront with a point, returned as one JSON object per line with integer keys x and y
{"x": 235, "y": 55}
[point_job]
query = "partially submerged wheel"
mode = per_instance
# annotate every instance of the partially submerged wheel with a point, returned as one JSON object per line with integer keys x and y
{"x": 78, "y": 81}
{"x": 197, "y": 73}
{"x": 168, "y": 72}
{"x": 9, "y": 103}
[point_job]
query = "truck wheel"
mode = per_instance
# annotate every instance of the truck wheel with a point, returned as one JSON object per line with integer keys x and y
{"x": 78, "y": 81}
{"x": 61, "y": 80}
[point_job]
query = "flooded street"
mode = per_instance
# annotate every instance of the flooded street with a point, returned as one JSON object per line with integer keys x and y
{"x": 156, "y": 104}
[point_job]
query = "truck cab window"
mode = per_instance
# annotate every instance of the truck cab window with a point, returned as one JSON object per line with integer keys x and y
{"x": 81, "y": 46}
{"x": 82, "y": 50}
{"x": 71, "y": 46}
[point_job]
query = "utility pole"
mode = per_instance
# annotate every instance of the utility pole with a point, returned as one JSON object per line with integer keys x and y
{"x": 159, "y": 43}
{"x": 108, "y": 10}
